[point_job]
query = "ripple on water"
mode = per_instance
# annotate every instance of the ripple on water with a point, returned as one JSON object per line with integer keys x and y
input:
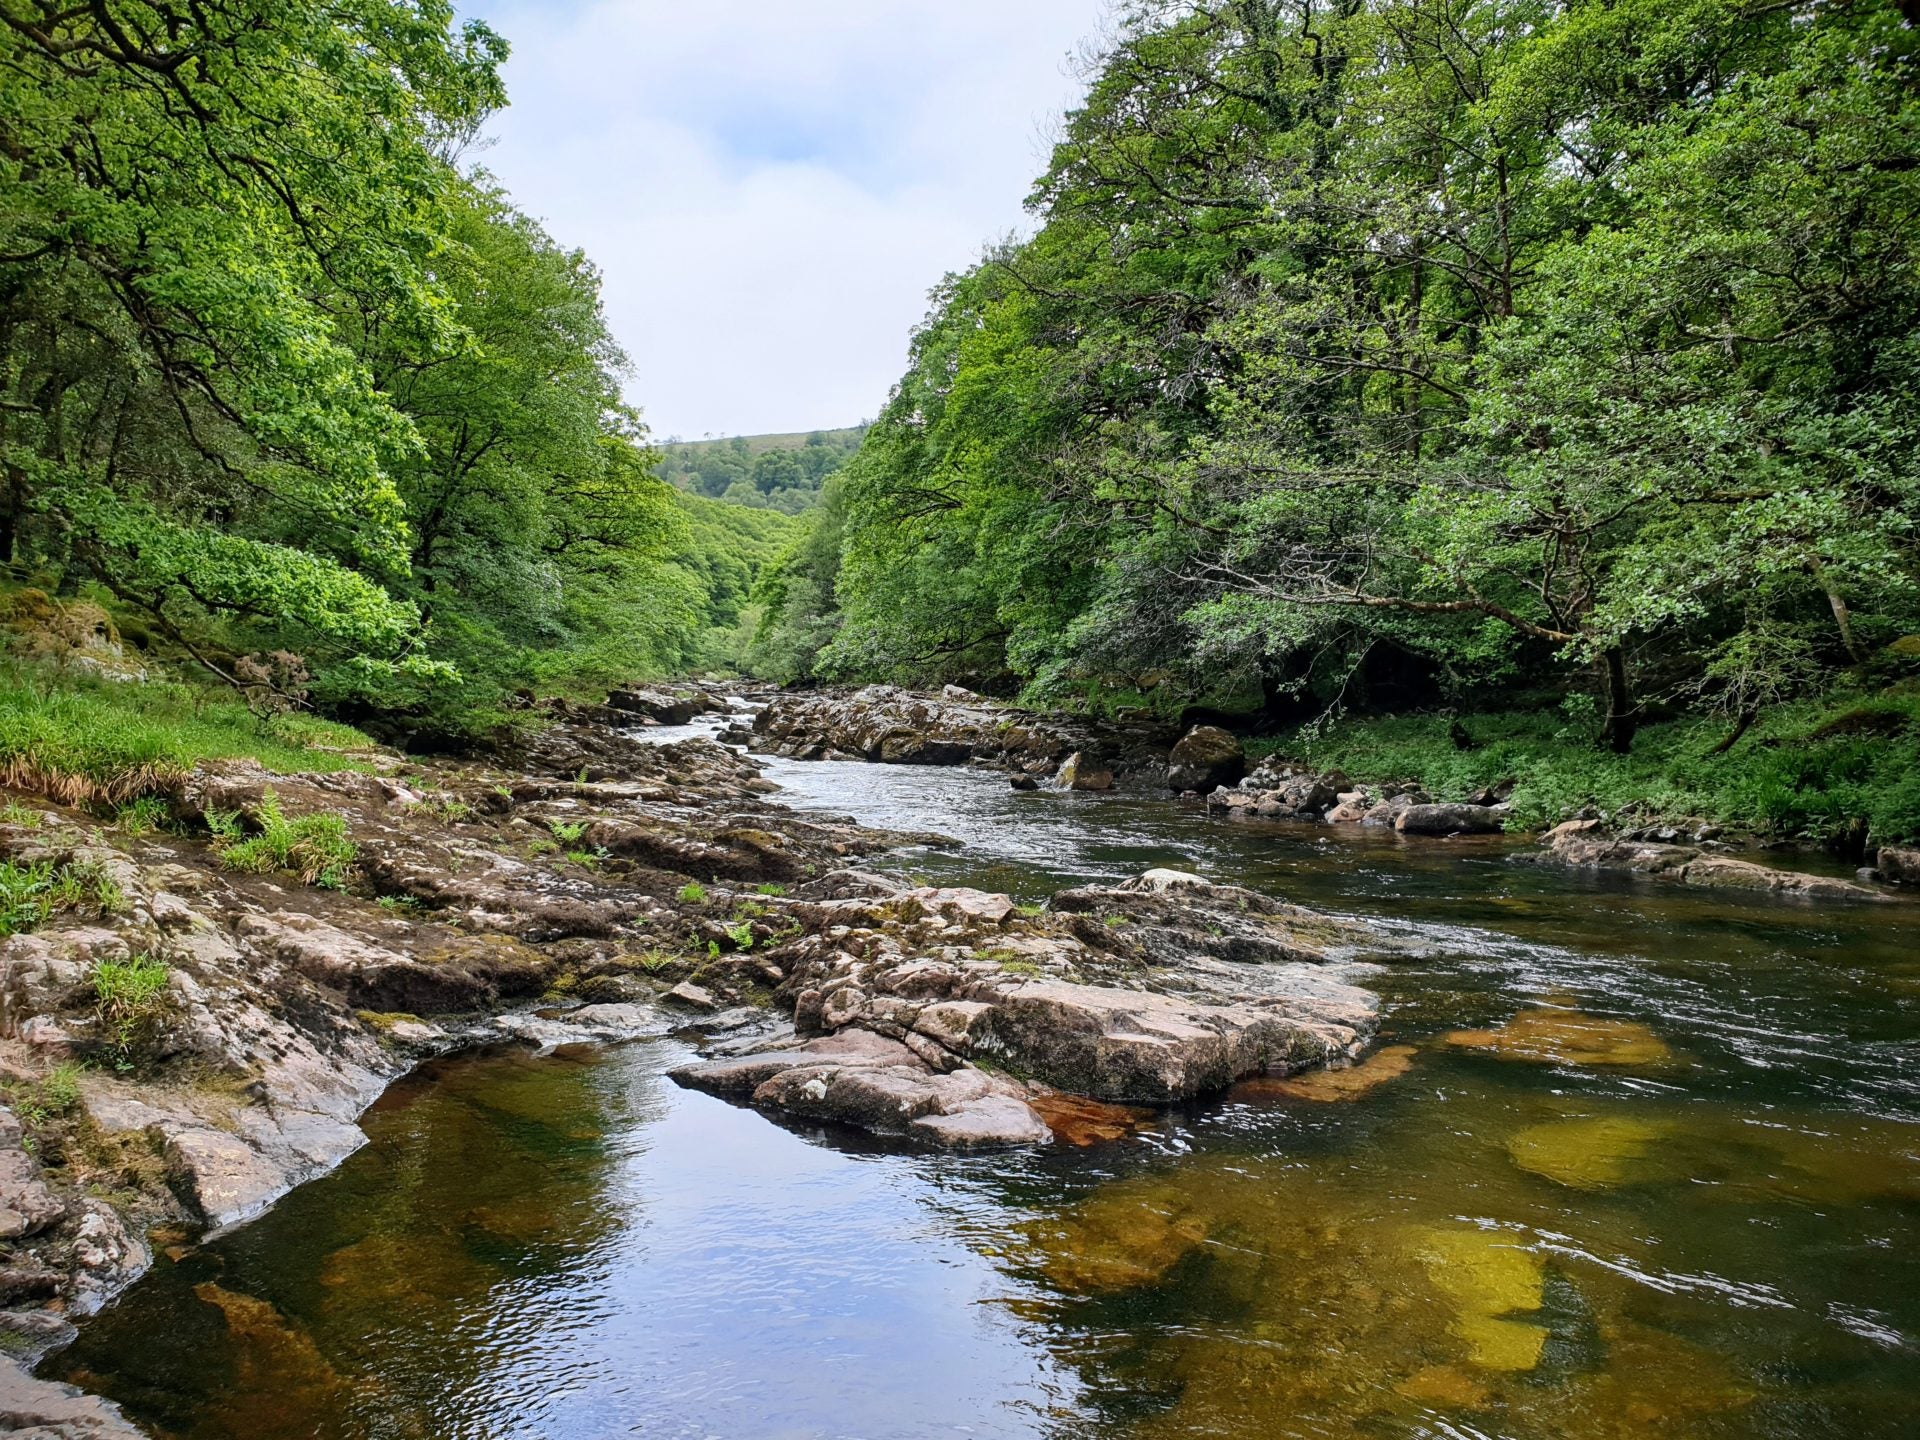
{"x": 1630, "y": 1161}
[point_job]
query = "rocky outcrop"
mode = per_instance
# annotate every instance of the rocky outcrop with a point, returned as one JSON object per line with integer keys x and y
{"x": 945, "y": 1015}
{"x": 892, "y": 726}
{"x": 667, "y": 707}
{"x": 1588, "y": 845}
{"x": 1206, "y": 757}
{"x": 1449, "y": 820}
{"x": 1083, "y": 772}
{"x": 1897, "y": 866}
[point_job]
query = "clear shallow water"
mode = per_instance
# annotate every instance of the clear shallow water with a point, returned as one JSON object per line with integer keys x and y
{"x": 1703, "y": 1220}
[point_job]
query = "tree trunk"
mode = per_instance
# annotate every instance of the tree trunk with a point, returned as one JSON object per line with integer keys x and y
{"x": 1618, "y": 733}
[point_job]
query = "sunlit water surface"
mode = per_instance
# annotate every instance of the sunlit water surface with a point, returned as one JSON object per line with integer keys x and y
{"x": 1703, "y": 1220}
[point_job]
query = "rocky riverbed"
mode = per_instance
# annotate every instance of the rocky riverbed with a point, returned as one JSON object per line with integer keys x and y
{"x": 590, "y": 887}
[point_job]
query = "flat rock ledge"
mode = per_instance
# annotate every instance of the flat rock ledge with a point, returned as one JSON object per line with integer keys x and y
{"x": 944, "y": 1015}
{"x": 892, "y": 726}
{"x": 1588, "y": 845}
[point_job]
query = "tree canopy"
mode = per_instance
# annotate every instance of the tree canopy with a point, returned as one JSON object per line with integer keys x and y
{"x": 1562, "y": 348}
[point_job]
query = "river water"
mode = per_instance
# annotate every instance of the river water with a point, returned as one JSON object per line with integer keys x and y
{"x": 1640, "y": 1162}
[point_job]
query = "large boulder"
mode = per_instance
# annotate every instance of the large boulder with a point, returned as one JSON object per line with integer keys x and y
{"x": 1205, "y": 757}
{"x": 657, "y": 706}
{"x": 1083, "y": 772}
{"x": 1899, "y": 866}
{"x": 1448, "y": 820}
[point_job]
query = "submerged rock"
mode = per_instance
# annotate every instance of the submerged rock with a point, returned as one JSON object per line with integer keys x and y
{"x": 1567, "y": 1037}
{"x": 1583, "y": 845}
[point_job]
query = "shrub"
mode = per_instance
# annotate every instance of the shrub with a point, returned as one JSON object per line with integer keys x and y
{"x": 130, "y": 1002}
{"x": 313, "y": 848}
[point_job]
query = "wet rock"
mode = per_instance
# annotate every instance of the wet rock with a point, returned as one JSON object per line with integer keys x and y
{"x": 883, "y": 723}
{"x": 1205, "y": 757}
{"x": 1899, "y": 866}
{"x": 1081, "y": 772}
{"x": 42, "y": 1410}
{"x": 1568, "y": 1037}
{"x": 658, "y": 706}
{"x": 1586, "y": 845}
{"x": 1448, "y": 820}
{"x": 1142, "y": 1047}
{"x": 1024, "y": 782}
{"x": 1721, "y": 872}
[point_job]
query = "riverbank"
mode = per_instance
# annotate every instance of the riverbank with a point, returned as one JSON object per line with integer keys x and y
{"x": 213, "y": 965}
{"x": 1427, "y": 777}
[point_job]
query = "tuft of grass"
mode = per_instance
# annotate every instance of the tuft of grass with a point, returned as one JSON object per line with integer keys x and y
{"x": 86, "y": 742}
{"x": 693, "y": 893}
{"x": 130, "y": 1002}
{"x": 770, "y": 889}
{"x": 31, "y": 894}
{"x": 144, "y": 816}
{"x": 42, "y": 1102}
{"x": 314, "y": 848}
{"x": 14, "y": 813}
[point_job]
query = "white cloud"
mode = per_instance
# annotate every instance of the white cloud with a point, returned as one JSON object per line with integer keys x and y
{"x": 772, "y": 188}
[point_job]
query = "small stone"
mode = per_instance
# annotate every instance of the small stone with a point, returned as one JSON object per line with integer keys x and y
{"x": 694, "y": 997}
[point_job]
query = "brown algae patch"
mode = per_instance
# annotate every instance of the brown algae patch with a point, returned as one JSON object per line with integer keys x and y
{"x": 1078, "y": 1121}
{"x": 1331, "y": 1086}
{"x": 1568, "y": 1037}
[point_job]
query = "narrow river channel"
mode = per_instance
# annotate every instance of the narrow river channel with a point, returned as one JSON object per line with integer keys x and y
{"x": 1705, "y": 1222}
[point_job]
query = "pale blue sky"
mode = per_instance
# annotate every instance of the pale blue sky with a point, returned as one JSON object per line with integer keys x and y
{"x": 771, "y": 189}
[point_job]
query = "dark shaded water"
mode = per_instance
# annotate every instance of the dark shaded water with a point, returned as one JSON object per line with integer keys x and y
{"x": 1639, "y": 1162}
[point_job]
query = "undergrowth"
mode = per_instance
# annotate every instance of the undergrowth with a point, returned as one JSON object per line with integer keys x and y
{"x": 94, "y": 743}
{"x": 32, "y": 893}
{"x": 130, "y": 1003}
{"x": 314, "y": 848}
{"x": 1843, "y": 771}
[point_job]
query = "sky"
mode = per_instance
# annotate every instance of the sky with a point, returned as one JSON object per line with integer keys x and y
{"x": 771, "y": 187}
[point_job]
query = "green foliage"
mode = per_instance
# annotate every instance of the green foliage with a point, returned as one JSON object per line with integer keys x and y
{"x": 31, "y": 894}
{"x": 741, "y": 934}
{"x": 144, "y": 816}
{"x": 94, "y": 742}
{"x": 693, "y": 893}
{"x": 130, "y": 1004}
{"x": 567, "y": 832}
{"x": 42, "y": 1102}
{"x": 786, "y": 473}
{"x": 313, "y": 848}
{"x": 1522, "y": 348}
{"x": 1811, "y": 769}
{"x": 281, "y": 376}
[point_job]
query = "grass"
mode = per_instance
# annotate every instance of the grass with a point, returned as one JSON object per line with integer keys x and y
{"x": 40, "y": 1102}
{"x": 130, "y": 1001}
{"x": 314, "y": 848}
{"x": 693, "y": 893}
{"x": 102, "y": 745}
{"x": 31, "y": 894}
{"x": 1829, "y": 771}
{"x": 144, "y": 816}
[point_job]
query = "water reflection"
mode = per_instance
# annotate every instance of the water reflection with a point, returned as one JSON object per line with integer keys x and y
{"x": 1629, "y": 1161}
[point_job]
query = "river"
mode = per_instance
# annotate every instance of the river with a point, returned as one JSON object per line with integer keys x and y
{"x": 1706, "y": 1222}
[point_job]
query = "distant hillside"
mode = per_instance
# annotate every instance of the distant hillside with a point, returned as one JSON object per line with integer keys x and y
{"x": 764, "y": 472}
